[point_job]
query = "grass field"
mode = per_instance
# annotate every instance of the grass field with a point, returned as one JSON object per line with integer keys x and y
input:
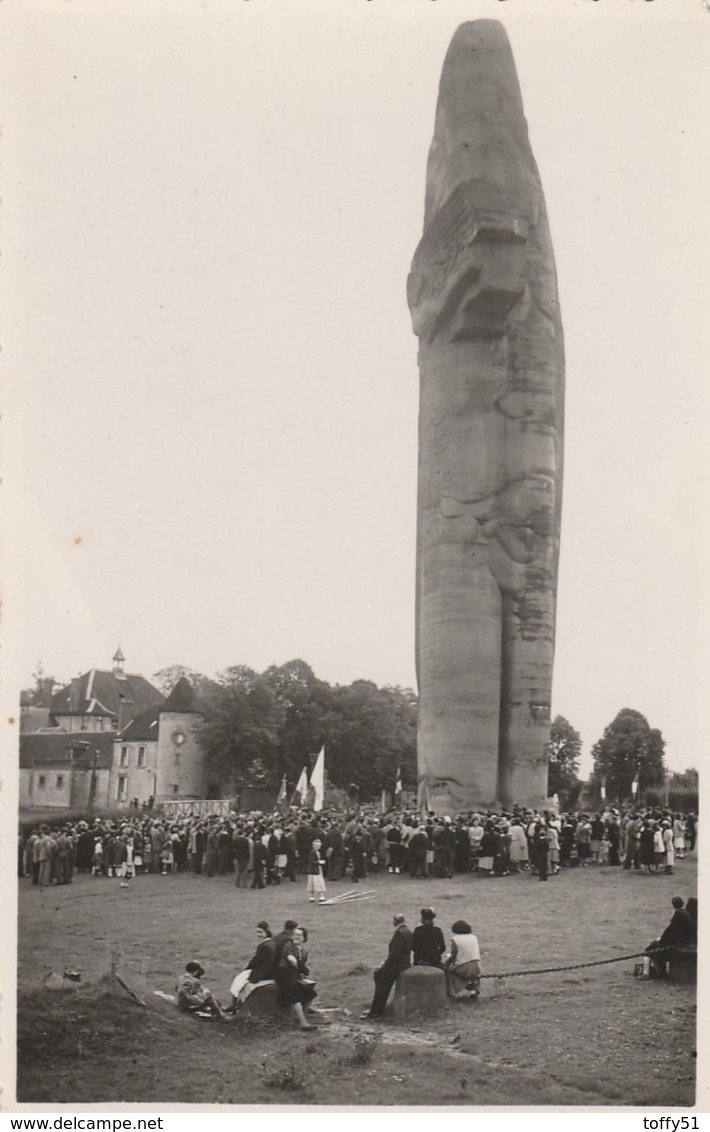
{"x": 594, "y": 1036}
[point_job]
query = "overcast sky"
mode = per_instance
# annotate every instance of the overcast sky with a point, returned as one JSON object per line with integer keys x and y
{"x": 212, "y": 390}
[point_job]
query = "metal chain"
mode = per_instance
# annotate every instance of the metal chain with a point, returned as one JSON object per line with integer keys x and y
{"x": 578, "y": 966}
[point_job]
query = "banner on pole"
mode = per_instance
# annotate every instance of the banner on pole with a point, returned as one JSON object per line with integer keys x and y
{"x": 318, "y": 781}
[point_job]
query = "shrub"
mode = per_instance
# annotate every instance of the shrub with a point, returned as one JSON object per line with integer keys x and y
{"x": 284, "y": 1074}
{"x": 364, "y": 1047}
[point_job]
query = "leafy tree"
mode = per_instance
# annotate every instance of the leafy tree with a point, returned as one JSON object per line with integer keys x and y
{"x": 629, "y": 746}
{"x": 564, "y": 750}
{"x": 260, "y": 727}
{"x": 166, "y": 678}
{"x": 240, "y": 729}
{"x": 374, "y": 732}
{"x": 684, "y": 789}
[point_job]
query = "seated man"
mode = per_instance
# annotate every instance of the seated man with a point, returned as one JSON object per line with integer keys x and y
{"x": 398, "y": 955}
{"x": 192, "y": 996}
{"x": 681, "y": 932}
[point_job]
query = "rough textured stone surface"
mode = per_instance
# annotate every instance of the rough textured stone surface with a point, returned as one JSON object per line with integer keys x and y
{"x": 265, "y": 1001}
{"x": 419, "y": 991}
{"x": 483, "y": 297}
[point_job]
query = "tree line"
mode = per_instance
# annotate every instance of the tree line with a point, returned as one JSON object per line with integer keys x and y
{"x": 260, "y": 726}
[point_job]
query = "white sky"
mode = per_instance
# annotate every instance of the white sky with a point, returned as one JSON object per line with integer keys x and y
{"x": 211, "y": 383}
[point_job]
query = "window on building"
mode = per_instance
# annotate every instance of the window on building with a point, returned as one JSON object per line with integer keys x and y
{"x": 60, "y": 781}
{"x": 122, "y": 788}
{"x": 41, "y": 781}
{"x": 124, "y": 756}
{"x": 175, "y": 789}
{"x": 177, "y": 758}
{"x": 141, "y": 756}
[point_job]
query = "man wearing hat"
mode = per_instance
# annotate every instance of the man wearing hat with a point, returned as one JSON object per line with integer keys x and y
{"x": 398, "y": 959}
{"x": 428, "y": 941}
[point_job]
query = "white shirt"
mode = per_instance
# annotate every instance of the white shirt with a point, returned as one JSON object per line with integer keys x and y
{"x": 466, "y": 948}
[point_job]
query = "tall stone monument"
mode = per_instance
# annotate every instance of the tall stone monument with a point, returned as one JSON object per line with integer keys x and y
{"x": 483, "y": 297}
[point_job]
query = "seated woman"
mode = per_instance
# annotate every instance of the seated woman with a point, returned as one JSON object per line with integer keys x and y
{"x": 463, "y": 963}
{"x": 193, "y": 997}
{"x": 295, "y": 988}
{"x": 428, "y": 941}
{"x": 260, "y": 969}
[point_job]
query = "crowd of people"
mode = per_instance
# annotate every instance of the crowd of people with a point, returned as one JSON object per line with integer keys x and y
{"x": 266, "y": 849}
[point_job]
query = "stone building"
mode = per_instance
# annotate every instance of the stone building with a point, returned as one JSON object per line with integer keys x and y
{"x": 103, "y": 700}
{"x": 63, "y": 771}
{"x": 110, "y": 739}
{"x": 158, "y": 754}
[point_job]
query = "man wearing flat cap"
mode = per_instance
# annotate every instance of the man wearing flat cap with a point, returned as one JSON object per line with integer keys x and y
{"x": 398, "y": 959}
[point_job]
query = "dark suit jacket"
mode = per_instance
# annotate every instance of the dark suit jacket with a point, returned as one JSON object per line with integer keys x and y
{"x": 400, "y": 950}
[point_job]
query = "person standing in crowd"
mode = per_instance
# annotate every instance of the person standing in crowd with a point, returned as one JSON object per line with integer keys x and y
{"x": 418, "y": 848}
{"x": 444, "y": 846}
{"x": 428, "y": 941}
{"x": 358, "y": 857}
{"x": 157, "y": 838}
{"x": 240, "y": 852}
{"x": 335, "y": 852}
{"x": 541, "y": 849}
{"x": 316, "y": 884}
{"x": 691, "y": 823}
{"x": 258, "y": 860}
{"x": 475, "y": 836}
{"x": 45, "y": 853}
{"x": 518, "y": 846}
{"x": 679, "y": 831}
{"x": 398, "y": 960}
{"x": 461, "y": 854}
{"x": 488, "y": 846}
{"x": 394, "y": 848}
{"x": 647, "y": 856}
{"x": 224, "y": 849}
{"x": 669, "y": 860}
{"x": 597, "y": 837}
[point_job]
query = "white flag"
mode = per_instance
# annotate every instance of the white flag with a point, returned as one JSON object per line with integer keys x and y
{"x": 635, "y": 785}
{"x": 302, "y": 787}
{"x": 282, "y": 792}
{"x": 398, "y": 782}
{"x": 318, "y": 780}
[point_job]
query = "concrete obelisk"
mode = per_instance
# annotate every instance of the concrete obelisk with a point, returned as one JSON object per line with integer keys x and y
{"x": 483, "y": 296}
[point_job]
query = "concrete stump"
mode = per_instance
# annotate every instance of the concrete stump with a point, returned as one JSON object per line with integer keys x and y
{"x": 419, "y": 991}
{"x": 683, "y": 965}
{"x": 264, "y": 1002}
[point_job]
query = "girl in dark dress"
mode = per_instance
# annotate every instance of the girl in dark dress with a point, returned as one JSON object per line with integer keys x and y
{"x": 295, "y": 988}
{"x": 260, "y": 968}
